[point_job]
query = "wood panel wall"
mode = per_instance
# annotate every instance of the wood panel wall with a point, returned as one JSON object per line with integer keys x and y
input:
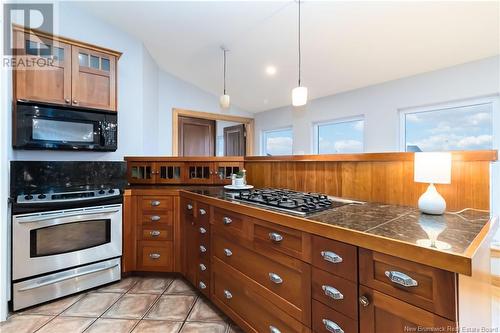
{"x": 386, "y": 180}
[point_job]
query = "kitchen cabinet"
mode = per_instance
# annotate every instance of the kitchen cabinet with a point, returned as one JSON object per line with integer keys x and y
{"x": 69, "y": 72}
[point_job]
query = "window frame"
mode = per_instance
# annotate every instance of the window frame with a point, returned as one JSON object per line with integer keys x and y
{"x": 316, "y": 125}
{"x": 495, "y": 118}
{"x": 263, "y": 134}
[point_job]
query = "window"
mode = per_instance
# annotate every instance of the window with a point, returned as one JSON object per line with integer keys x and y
{"x": 463, "y": 126}
{"x": 338, "y": 137}
{"x": 277, "y": 142}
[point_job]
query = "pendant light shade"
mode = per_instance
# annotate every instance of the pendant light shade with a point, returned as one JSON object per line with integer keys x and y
{"x": 299, "y": 94}
{"x": 225, "y": 100}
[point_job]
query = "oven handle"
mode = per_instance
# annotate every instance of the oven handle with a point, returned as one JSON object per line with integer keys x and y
{"x": 64, "y": 278}
{"x": 39, "y": 218}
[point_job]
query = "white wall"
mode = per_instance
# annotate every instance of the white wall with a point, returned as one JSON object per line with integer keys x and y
{"x": 150, "y": 105}
{"x": 380, "y": 104}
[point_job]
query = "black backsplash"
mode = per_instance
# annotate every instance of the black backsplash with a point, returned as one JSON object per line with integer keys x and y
{"x": 58, "y": 176}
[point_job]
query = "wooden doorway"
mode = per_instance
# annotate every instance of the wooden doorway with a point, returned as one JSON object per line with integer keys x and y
{"x": 179, "y": 113}
{"x": 196, "y": 137}
{"x": 234, "y": 140}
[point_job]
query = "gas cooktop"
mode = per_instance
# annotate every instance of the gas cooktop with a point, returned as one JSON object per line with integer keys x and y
{"x": 293, "y": 202}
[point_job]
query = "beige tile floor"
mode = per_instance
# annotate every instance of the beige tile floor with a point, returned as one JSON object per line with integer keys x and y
{"x": 135, "y": 304}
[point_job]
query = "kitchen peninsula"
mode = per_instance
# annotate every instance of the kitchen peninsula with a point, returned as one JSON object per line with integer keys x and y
{"x": 358, "y": 266}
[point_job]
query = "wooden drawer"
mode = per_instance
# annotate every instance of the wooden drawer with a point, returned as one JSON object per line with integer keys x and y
{"x": 156, "y": 256}
{"x": 203, "y": 213}
{"x": 324, "y": 317}
{"x": 282, "y": 239}
{"x": 231, "y": 224}
{"x": 163, "y": 217}
{"x": 384, "y": 314}
{"x": 153, "y": 203}
{"x": 435, "y": 290}
{"x": 203, "y": 277}
{"x": 187, "y": 208}
{"x": 156, "y": 234}
{"x": 325, "y": 253}
{"x": 234, "y": 292}
{"x": 338, "y": 293}
{"x": 287, "y": 279}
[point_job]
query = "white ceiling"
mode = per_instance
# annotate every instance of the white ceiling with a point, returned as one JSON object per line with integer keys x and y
{"x": 346, "y": 44}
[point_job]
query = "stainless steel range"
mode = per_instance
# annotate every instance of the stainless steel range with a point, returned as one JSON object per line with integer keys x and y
{"x": 288, "y": 201}
{"x": 66, "y": 228}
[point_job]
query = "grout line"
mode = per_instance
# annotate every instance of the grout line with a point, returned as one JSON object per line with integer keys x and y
{"x": 189, "y": 312}
{"x": 391, "y": 220}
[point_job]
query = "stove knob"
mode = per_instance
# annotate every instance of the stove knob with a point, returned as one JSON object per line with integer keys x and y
{"x": 101, "y": 192}
{"x": 42, "y": 196}
{"x": 111, "y": 191}
{"x": 28, "y": 197}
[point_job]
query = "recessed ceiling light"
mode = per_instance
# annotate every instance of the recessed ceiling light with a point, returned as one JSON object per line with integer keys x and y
{"x": 270, "y": 70}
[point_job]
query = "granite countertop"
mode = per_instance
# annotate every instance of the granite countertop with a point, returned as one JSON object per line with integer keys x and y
{"x": 455, "y": 232}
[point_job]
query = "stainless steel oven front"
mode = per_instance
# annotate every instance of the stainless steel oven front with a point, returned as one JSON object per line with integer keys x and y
{"x": 58, "y": 240}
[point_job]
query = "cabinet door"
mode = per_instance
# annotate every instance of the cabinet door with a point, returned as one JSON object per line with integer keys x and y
{"x": 199, "y": 173}
{"x": 51, "y": 81}
{"x": 141, "y": 172}
{"x": 224, "y": 170}
{"x": 169, "y": 173}
{"x": 190, "y": 240}
{"x": 93, "y": 79}
{"x": 384, "y": 314}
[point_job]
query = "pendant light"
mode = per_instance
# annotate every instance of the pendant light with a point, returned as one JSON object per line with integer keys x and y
{"x": 224, "y": 100}
{"x": 299, "y": 94}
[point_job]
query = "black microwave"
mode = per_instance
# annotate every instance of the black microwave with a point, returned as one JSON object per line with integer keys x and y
{"x": 40, "y": 126}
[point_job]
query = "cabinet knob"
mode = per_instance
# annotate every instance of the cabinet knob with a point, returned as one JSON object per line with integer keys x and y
{"x": 202, "y": 211}
{"x": 154, "y": 256}
{"x": 203, "y": 267}
{"x": 227, "y": 220}
{"x": 332, "y": 292}
{"x": 275, "y": 278}
{"x": 275, "y": 237}
{"x": 203, "y": 230}
{"x": 273, "y": 329}
{"x": 401, "y": 278}
{"x": 202, "y": 285}
{"x": 203, "y": 249}
{"x": 67, "y": 100}
{"x": 228, "y": 252}
{"x": 155, "y": 203}
{"x": 155, "y": 218}
{"x": 227, "y": 294}
{"x": 363, "y": 300}
{"x": 75, "y": 101}
{"x": 189, "y": 207}
{"x": 332, "y": 326}
{"x": 331, "y": 257}
{"x": 154, "y": 233}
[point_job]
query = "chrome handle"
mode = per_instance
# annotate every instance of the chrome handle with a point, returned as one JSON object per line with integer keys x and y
{"x": 363, "y": 300}
{"x": 227, "y": 294}
{"x": 202, "y": 285}
{"x": 228, "y": 252}
{"x": 154, "y": 233}
{"x": 332, "y": 292}
{"x": 155, "y": 218}
{"x": 202, "y": 211}
{"x": 203, "y": 267}
{"x": 332, "y": 326}
{"x": 275, "y": 237}
{"x": 154, "y": 256}
{"x": 401, "y": 279}
{"x": 227, "y": 220}
{"x": 33, "y": 218}
{"x": 203, "y": 230}
{"x": 273, "y": 329}
{"x": 155, "y": 203}
{"x": 203, "y": 249}
{"x": 189, "y": 207}
{"x": 67, "y": 100}
{"x": 275, "y": 278}
{"x": 75, "y": 101}
{"x": 331, "y": 257}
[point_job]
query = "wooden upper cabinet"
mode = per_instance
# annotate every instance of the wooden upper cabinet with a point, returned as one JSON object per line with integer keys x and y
{"x": 50, "y": 84}
{"x": 93, "y": 79}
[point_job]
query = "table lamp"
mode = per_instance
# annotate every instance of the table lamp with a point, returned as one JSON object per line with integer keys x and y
{"x": 432, "y": 168}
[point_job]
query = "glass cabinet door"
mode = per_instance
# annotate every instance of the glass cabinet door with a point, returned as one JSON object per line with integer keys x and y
{"x": 171, "y": 173}
{"x": 224, "y": 170}
{"x": 200, "y": 173}
{"x": 141, "y": 173}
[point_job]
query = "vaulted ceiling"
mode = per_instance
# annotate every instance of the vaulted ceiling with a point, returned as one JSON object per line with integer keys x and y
{"x": 346, "y": 44}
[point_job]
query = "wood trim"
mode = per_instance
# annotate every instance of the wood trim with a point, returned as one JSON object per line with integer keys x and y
{"x": 71, "y": 41}
{"x": 176, "y": 113}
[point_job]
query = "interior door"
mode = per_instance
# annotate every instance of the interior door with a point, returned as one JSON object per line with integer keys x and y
{"x": 196, "y": 137}
{"x": 234, "y": 140}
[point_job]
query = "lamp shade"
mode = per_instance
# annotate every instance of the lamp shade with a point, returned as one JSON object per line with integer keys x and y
{"x": 299, "y": 96}
{"x": 433, "y": 168}
{"x": 225, "y": 101}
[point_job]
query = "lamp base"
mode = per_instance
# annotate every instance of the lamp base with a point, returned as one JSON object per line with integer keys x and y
{"x": 435, "y": 244}
{"x": 431, "y": 202}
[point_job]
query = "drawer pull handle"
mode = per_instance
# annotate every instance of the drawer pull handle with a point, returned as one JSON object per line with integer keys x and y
{"x": 203, "y": 230}
{"x": 155, "y": 203}
{"x": 154, "y": 256}
{"x": 331, "y": 257}
{"x": 203, "y": 267}
{"x": 273, "y": 329}
{"x": 275, "y": 278}
{"x": 202, "y": 285}
{"x": 275, "y": 237}
{"x": 228, "y": 252}
{"x": 227, "y": 294}
{"x": 332, "y": 292}
{"x": 202, "y": 211}
{"x": 401, "y": 279}
{"x": 154, "y": 233}
{"x": 363, "y": 300}
{"x": 227, "y": 220}
{"x": 155, "y": 218}
{"x": 332, "y": 326}
{"x": 203, "y": 249}
{"x": 189, "y": 207}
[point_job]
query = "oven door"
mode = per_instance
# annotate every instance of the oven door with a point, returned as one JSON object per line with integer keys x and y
{"x": 50, "y": 241}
